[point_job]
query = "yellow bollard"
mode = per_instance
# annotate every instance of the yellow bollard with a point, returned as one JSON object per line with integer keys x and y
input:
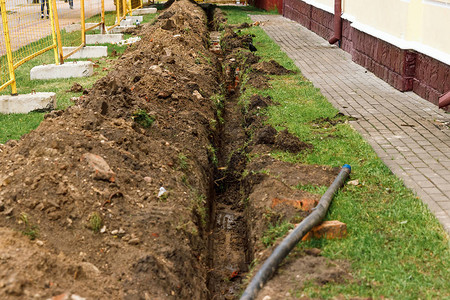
{"x": 12, "y": 75}
{"x": 118, "y": 11}
{"x": 58, "y": 32}
{"x": 52, "y": 22}
{"x": 83, "y": 24}
{"x": 130, "y": 8}
{"x": 103, "y": 17}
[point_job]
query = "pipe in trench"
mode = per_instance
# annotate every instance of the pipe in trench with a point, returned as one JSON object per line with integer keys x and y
{"x": 337, "y": 22}
{"x": 271, "y": 264}
{"x": 444, "y": 100}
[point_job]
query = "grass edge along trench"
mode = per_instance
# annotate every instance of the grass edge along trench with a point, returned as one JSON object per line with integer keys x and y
{"x": 396, "y": 247}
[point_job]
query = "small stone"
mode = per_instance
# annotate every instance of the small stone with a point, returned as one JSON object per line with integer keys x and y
{"x": 267, "y": 298}
{"x": 89, "y": 268}
{"x": 9, "y": 211}
{"x": 121, "y": 231}
{"x": 100, "y": 167}
{"x": 76, "y": 297}
{"x": 353, "y": 182}
{"x": 126, "y": 237}
{"x": 103, "y": 229}
{"x": 134, "y": 241}
{"x": 148, "y": 179}
{"x": 313, "y": 251}
{"x": 27, "y": 181}
{"x": 161, "y": 192}
{"x": 165, "y": 94}
{"x": 197, "y": 95}
{"x": 39, "y": 243}
{"x": 115, "y": 232}
{"x": 60, "y": 297}
{"x": 156, "y": 69}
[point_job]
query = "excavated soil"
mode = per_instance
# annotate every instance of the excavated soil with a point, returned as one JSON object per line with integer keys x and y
{"x": 302, "y": 269}
{"x": 144, "y": 188}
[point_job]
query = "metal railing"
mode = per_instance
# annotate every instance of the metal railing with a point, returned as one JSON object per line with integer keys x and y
{"x": 32, "y": 29}
{"x": 28, "y": 31}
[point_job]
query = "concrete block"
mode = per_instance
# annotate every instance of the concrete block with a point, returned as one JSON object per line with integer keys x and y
{"x": 87, "y": 52}
{"x": 120, "y": 29}
{"x": 145, "y": 11}
{"x": 87, "y": 25}
{"x": 126, "y": 22}
{"x": 134, "y": 19}
{"x": 72, "y": 27}
{"x": 327, "y": 230}
{"x": 22, "y": 104}
{"x": 67, "y": 70}
{"x": 77, "y": 27}
{"x": 103, "y": 38}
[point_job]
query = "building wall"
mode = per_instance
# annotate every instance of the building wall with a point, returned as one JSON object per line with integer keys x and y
{"x": 404, "y": 42}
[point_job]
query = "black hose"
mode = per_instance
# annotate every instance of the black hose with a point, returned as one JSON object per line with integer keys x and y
{"x": 319, "y": 212}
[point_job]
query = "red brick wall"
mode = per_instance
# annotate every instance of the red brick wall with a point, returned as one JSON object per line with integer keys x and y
{"x": 406, "y": 70}
{"x": 322, "y": 22}
{"x": 432, "y": 78}
{"x": 392, "y": 64}
{"x": 298, "y": 11}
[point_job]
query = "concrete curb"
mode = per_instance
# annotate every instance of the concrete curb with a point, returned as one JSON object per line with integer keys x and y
{"x": 67, "y": 70}
{"x": 87, "y": 52}
{"x": 22, "y": 104}
{"x": 103, "y": 38}
{"x": 145, "y": 11}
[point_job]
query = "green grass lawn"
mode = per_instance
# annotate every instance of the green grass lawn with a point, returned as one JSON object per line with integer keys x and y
{"x": 13, "y": 126}
{"x": 396, "y": 247}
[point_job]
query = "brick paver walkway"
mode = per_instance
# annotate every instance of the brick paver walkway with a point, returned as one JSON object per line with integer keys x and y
{"x": 410, "y": 135}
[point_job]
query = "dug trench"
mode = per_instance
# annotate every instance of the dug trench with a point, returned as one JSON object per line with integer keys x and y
{"x": 145, "y": 189}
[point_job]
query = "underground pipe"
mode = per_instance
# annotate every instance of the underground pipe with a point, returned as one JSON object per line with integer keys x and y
{"x": 337, "y": 22}
{"x": 444, "y": 100}
{"x": 271, "y": 264}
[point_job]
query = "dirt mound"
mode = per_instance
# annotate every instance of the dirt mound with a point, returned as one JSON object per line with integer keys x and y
{"x": 76, "y": 88}
{"x": 231, "y": 41}
{"x": 120, "y": 180}
{"x": 36, "y": 270}
{"x": 244, "y": 25}
{"x": 303, "y": 269}
{"x": 258, "y": 81}
{"x": 271, "y": 68}
{"x": 270, "y": 188}
{"x": 258, "y": 102}
{"x": 295, "y": 174}
{"x": 282, "y": 140}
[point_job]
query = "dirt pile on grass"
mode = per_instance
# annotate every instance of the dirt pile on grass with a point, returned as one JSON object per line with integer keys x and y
{"x": 119, "y": 182}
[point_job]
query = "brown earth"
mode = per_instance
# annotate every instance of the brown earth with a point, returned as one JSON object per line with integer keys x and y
{"x": 144, "y": 189}
{"x": 150, "y": 245}
{"x": 301, "y": 269}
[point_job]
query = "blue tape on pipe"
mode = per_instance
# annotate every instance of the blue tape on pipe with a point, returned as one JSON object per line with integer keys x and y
{"x": 347, "y": 166}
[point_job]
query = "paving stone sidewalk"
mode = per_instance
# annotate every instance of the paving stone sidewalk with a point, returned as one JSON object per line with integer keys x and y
{"x": 410, "y": 135}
